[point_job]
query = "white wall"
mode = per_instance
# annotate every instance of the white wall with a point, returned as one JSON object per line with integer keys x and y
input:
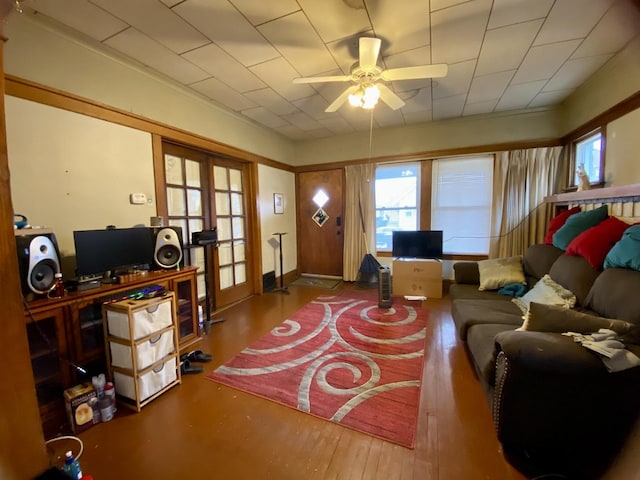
{"x": 72, "y": 172}
{"x": 272, "y": 180}
{"x": 38, "y": 53}
{"x": 622, "y": 165}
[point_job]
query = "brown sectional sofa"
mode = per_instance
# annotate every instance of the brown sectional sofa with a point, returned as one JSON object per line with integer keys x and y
{"x": 555, "y": 406}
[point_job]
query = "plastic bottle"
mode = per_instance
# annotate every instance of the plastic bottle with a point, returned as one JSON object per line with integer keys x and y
{"x": 71, "y": 466}
{"x": 98, "y": 383}
{"x": 106, "y": 411}
{"x": 110, "y": 393}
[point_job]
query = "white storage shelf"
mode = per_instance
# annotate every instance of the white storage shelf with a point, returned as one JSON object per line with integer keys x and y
{"x": 141, "y": 339}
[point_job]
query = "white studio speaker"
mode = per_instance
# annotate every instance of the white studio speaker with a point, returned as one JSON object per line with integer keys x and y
{"x": 39, "y": 261}
{"x": 167, "y": 247}
{"x": 384, "y": 287}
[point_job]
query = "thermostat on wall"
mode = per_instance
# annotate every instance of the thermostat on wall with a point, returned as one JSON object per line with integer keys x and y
{"x": 138, "y": 198}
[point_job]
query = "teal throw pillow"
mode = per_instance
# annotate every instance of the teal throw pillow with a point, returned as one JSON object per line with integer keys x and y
{"x": 625, "y": 253}
{"x": 578, "y": 223}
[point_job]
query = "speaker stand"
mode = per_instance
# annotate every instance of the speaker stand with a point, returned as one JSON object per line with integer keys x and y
{"x": 208, "y": 320}
{"x": 282, "y": 288}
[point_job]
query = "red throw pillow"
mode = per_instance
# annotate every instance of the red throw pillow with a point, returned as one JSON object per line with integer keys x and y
{"x": 558, "y": 221}
{"x": 594, "y": 243}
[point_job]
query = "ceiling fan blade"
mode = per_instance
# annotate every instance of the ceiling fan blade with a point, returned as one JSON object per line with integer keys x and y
{"x": 335, "y": 78}
{"x": 421, "y": 71}
{"x": 343, "y": 97}
{"x": 369, "y": 49}
{"x": 390, "y": 98}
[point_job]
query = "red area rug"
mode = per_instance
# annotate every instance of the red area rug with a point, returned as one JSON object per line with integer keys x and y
{"x": 343, "y": 359}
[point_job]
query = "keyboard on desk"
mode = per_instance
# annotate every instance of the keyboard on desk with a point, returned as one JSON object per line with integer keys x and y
{"x": 148, "y": 291}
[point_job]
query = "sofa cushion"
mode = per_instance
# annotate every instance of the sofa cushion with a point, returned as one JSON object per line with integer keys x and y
{"x": 594, "y": 243}
{"x": 466, "y": 313}
{"x": 575, "y": 274}
{"x": 466, "y": 273}
{"x": 625, "y": 253}
{"x": 498, "y": 272}
{"x": 548, "y": 292}
{"x": 578, "y": 223}
{"x": 558, "y": 221}
{"x": 615, "y": 294}
{"x": 537, "y": 261}
{"x": 551, "y": 318}
{"x": 481, "y": 345}
{"x": 471, "y": 292}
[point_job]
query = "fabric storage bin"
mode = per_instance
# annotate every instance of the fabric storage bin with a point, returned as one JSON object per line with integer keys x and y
{"x": 147, "y": 318}
{"x": 147, "y": 352}
{"x": 149, "y": 383}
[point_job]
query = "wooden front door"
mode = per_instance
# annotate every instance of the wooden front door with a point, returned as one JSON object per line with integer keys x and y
{"x": 320, "y": 235}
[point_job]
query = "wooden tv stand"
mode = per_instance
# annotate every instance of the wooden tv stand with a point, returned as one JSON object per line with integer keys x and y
{"x": 66, "y": 335}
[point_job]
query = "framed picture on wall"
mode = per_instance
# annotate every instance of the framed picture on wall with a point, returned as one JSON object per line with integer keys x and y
{"x": 278, "y": 203}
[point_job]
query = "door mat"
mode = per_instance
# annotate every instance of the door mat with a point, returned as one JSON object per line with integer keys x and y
{"x": 318, "y": 282}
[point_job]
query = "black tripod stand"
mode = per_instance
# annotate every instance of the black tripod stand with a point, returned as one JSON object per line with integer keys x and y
{"x": 282, "y": 288}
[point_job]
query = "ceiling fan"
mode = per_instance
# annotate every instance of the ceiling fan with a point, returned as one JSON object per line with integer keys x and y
{"x": 366, "y": 76}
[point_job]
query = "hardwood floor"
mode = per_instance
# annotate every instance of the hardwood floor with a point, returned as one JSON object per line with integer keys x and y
{"x": 201, "y": 429}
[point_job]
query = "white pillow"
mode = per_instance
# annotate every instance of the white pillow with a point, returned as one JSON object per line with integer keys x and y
{"x": 498, "y": 272}
{"x": 547, "y": 292}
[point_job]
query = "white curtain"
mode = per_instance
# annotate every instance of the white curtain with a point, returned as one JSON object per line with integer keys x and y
{"x": 359, "y": 218}
{"x": 521, "y": 180}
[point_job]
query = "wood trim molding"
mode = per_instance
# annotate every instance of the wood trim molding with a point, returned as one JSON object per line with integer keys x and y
{"x": 28, "y": 90}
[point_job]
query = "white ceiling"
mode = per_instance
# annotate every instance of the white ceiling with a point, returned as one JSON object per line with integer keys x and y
{"x": 244, "y": 54}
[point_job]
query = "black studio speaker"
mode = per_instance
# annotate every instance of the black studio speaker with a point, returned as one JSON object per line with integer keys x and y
{"x": 167, "y": 247}
{"x": 39, "y": 261}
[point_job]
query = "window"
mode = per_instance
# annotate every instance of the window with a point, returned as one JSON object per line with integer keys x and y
{"x": 396, "y": 192}
{"x": 587, "y": 151}
{"x": 461, "y": 203}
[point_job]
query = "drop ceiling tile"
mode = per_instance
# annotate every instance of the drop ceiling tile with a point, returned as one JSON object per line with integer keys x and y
{"x": 265, "y": 117}
{"x": 279, "y": 75}
{"x": 334, "y": 19}
{"x": 440, "y": 4}
{"x": 421, "y": 116}
{"x": 270, "y": 100}
{"x": 457, "y": 32}
{"x": 156, "y": 56}
{"x": 302, "y": 121}
{"x": 261, "y": 12}
{"x": 457, "y": 81}
{"x": 358, "y": 118}
{"x": 337, "y": 125}
{"x": 544, "y": 99}
{"x": 479, "y": 107}
{"x": 509, "y": 12}
{"x": 345, "y": 52}
{"x": 321, "y": 133}
{"x": 542, "y": 62}
{"x": 223, "y": 94}
{"x": 489, "y": 87}
{"x": 297, "y": 41}
{"x": 570, "y": 19}
{"x": 504, "y": 48}
{"x": 224, "y": 24}
{"x": 211, "y": 58}
{"x": 619, "y": 25}
{"x": 314, "y": 107}
{"x": 402, "y": 24}
{"x": 448, "y": 107}
{"x": 293, "y": 132}
{"x": 574, "y": 72}
{"x": 157, "y": 21}
{"x": 170, "y": 3}
{"x": 385, "y": 117}
{"x": 519, "y": 96}
{"x": 81, "y": 16}
{"x": 419, "y": 100}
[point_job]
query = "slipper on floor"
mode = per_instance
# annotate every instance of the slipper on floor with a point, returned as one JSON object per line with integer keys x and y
{"x": 187, "y": 368}
{"x": 198, "y": 356}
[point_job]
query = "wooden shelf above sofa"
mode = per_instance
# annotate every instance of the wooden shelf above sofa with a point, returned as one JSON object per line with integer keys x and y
{"x": 621, "y": 193}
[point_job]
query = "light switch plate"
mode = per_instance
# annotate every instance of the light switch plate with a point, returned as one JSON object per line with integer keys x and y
{"x": 138, "y": 198}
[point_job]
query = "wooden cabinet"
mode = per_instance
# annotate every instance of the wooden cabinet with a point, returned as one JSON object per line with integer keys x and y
{"x": 141, "y": 340}
{"x": 67, "y": 342}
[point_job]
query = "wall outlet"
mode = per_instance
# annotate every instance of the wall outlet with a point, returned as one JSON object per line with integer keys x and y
{"x": 138, "y": 198}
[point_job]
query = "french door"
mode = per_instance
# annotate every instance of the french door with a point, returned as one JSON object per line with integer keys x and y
{"x": 203, "y": 192}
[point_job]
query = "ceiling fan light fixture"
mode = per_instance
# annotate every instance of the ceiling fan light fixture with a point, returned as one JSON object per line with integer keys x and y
{"x": 365, "y": 97}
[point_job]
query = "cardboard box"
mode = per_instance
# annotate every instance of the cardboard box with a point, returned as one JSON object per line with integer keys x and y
{"x": 81, "y": 403}
{"x": 417, "y": 277}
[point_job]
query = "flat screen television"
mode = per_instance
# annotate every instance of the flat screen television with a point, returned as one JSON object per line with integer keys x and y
{"x": 417, "y": 244}
{"x": 109, "y": 250}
